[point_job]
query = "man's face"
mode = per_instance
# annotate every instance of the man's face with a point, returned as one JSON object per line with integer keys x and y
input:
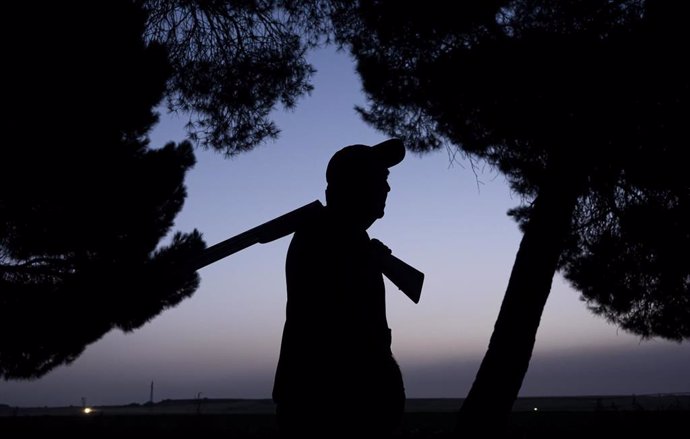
{"x": 373, "y": 194}
{"x": 379, "y": 193}
{"x": 363, "y": 197}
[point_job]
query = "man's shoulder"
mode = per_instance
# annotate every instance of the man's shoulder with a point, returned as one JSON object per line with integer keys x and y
{"x": 313, "y": 229}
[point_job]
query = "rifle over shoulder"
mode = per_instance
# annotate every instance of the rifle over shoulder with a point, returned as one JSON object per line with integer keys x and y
{"x": 407, "y": 278}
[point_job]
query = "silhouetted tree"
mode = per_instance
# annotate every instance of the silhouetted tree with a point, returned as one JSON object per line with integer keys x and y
{"x": 583, "y": 106}
{"x": 84, "y": 200}
{"x": 85, "y": 211}
{"x": 233, "y": 62}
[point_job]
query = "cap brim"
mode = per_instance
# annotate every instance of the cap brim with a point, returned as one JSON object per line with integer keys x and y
{"x": 390, "y": 152}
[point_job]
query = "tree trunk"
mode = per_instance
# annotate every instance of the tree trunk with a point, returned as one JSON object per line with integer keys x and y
{"x": 489, "y": 402}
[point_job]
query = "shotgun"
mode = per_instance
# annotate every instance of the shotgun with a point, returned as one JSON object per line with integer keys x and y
{"x": 407, "y": 278}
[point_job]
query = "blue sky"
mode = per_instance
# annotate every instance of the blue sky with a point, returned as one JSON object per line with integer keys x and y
{"x": 443, "y": 216}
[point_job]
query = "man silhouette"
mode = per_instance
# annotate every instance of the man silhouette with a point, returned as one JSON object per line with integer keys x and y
{"x": 336, "y": 375}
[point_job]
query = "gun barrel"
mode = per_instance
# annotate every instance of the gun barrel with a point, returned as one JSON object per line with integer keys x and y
{"x": 266, "y": 232}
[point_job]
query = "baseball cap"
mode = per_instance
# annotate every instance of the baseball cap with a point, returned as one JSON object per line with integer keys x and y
{"x": 354, "y": 162}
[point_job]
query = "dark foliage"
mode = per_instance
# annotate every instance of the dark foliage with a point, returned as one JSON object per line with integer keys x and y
{"x": 233, "y": 62}
{"x": 84, "y": 200}
{"x": 596, "y": 90}
{"x": 583, "y": 106}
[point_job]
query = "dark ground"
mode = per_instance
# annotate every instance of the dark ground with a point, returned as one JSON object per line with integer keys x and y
{"x": 609, "y": 425}
{"x": 581, "y": 417}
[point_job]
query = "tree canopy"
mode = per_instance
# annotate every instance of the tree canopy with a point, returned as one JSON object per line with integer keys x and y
{"x": 233, "y": 62}
{"x": 85, "y": 201}
{"x": 596, "y": 90}
{"x": 582, "y": 105}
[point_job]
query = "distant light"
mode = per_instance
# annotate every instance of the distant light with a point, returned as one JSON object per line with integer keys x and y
{"x": 87, "y": 410}
{"x": 535, "y": 409}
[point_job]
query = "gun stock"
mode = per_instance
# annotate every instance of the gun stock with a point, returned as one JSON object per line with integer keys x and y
{"x": 404, "y": 276}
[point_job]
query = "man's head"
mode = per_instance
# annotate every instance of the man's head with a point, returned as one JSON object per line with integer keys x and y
{"x": 357, "y": 179}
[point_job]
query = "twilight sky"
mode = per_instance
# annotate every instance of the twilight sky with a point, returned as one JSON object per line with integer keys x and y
{"x": 443, "y": 217}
